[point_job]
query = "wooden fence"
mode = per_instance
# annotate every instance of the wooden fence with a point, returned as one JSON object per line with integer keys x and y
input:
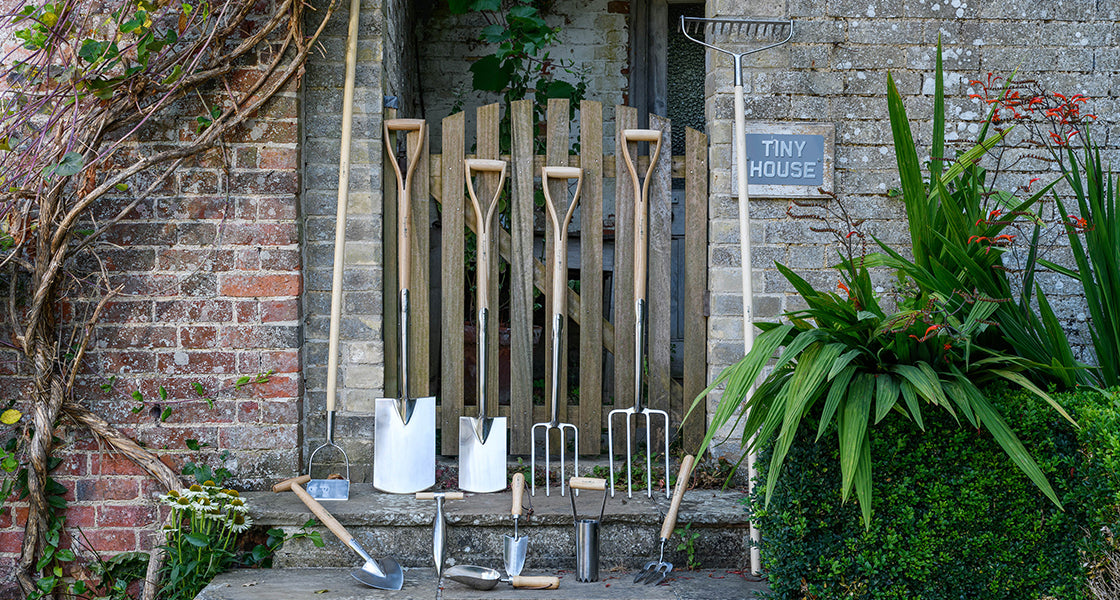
{"x": 601, "y": 336}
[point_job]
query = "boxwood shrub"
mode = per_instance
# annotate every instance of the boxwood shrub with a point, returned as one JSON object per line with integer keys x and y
{"x": 953, "y": 517}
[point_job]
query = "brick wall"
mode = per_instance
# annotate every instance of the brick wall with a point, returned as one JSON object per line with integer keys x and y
{"x": 212, "y": 278}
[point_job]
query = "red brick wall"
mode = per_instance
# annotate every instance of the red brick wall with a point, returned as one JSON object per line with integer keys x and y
{"x": 212, "y": 278}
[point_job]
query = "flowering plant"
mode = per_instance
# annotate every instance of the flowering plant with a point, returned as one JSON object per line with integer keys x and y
{"x": 201, "y": 536}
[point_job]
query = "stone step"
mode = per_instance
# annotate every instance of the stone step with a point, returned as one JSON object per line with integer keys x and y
{"x": 421, "y": 584}
{"x": 401, "y": 527}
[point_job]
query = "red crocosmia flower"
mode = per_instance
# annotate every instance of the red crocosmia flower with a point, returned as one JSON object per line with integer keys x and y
{"x": 948, "y": 346}
{"x": 995, "y": 214}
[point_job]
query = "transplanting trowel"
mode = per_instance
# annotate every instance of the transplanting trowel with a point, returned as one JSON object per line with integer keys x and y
{"x": 482, "y": 439}
{"x": 404, "y": 445}
{"x": 439, "y": 524}
{"x": 385, "y": 574}
{"x": 514, "y": 548}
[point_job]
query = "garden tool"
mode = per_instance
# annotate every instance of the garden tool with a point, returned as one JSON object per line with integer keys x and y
{"x": 559, "y": 315}
{"x": 339, "y": 489}
{"x": 587, "y": 530}
{"x": 404, "y": 452}
{"x": 641, "y": 235}
{"x": 763, "y": 34}
{"x": 482, "y": 439}
{"x": 655, "y": 570}
{"x": 481, "y": 578}
{"x": 385, "y": 574}
{"x": 439, "y": 524}
{"x": 514, "y": 548}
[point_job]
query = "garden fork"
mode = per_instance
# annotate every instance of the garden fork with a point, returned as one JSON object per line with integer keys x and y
{"x": 641, "y": 233}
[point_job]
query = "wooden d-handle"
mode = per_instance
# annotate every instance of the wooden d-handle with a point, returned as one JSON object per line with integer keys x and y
{"x": 588, "y": 483}
{"x": 641, "y": 202}
{"x": 320, "y": 512}
{"x": 404, "y": 189}
{"x": 444, "y": 495}
{"x": 560, "y": 225}
{"x": 641, "y": 135}
{"x": 484, "y": 217}
{"x": 537, "y": 582}
{"x": 287, "y": 484}
{"x": 678, "y": 493}
{"x": 518, "y": 486}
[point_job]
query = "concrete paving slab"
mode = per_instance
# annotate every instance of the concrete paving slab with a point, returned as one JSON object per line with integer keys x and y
{"x": 420, "y": 584}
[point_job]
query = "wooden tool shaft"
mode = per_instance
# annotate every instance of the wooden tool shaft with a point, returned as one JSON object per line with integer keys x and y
{"x": 484, "y": 218}
{"x": 641, "y": 203}
{"x": 560, "y": 233}
{"x": 322, "y": 514}
{"x": 404, "y": 191}
{"x": 433, "y": 495}
{"x": 537, "y": 582}
{"x": 678, "y": 493}
{"x": 286, "y": 485}
{"x": 588, "y": 483}
{"x": 518, "y": 487}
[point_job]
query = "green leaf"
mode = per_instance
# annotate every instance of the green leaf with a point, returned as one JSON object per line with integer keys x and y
{"x": 560, "y": 89}
{"x": 162, "y": 393}
{"x": 71, "y": 164}
{"x": 459, "y": 7}
{"x": 1013, "y": 447}
{"x": 491, "y": 5}
{"x": 490, "y": 75}
{"x": 836, "y": 391}
{"x": 854, "y": 416}
{"x": 92, "y": 50}
{"x": 137, "y": 396}
{"x": 173, "y": 76}
{"x": 886, "y": 395}
{"x": 166, "y": 413}
{"x": 193, "y": 445}
{"x": 522, "y": 11}
{"x": 199, "y": 540}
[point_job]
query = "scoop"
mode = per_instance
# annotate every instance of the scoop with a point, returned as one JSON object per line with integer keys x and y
{"x": 481, "y": 578}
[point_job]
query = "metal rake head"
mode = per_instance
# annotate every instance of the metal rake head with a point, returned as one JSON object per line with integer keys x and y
{"x": 545, "y": 428}
{"x": 759, "y": 30}
{"x": 633, "y": 413}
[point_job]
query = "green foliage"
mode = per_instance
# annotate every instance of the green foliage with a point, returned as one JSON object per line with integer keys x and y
{"x": 688, "y": 544}
{"x": 953, "y": 518}
{"x": 1098, "y": 257}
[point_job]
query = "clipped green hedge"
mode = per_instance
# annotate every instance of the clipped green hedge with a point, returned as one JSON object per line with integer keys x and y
{"x": 953, "y": 517}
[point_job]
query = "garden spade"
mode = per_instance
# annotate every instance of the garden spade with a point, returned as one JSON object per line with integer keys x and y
{"x": 404, "y": 445}
{"x": 482, "y": 439}
{"x": 515, "y": 548}
{"x": 481, "y": 578}
{"x": 384, "y": 574}
{"x": 656, "y": 570}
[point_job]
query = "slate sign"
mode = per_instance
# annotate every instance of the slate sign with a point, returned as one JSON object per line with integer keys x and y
{"x": 785, "y": 159}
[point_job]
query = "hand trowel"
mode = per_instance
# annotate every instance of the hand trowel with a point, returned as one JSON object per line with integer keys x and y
{"x": 404, "y": 446}
{"x": 482, "y": 439}
{"x": 515, "y": 548}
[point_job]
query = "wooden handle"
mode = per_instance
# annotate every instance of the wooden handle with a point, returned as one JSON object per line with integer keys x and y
{"x": 641, "y": 135}
{"x": 560, "y": 225}
{"x": 536, "y": 582}
{"x": 444, "y": 495}
{"x": 324, "y": 516}
{"x": 287, "y": 484}
{"x": 404, "y": 191}
{"x": 678, "y": 493}
{"x": 484, "y": 217}
{"x": 588, "y": 483}
{"x": 641, "y": 202}
{"x": 518, "y": 486}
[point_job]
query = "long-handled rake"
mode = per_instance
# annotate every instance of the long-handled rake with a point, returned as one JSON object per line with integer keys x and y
{"x": 641, "y": 243}
{"x": 763, "y": 34}
{"x": 559, "y": 293}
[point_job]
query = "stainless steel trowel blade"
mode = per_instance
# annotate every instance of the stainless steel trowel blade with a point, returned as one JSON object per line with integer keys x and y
{"x": 482, "y": 463}
{"x": 514, "y": 550}
{"x": 404, "y": 454}
{"x": 392, "y": 578}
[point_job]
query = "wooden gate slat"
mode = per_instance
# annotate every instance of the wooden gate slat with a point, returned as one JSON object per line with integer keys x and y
{"x": 623, "y": 302}
{"x": 420, "y": 307}
{"x": 520, "y": 257}
{"x": 658, "y": 289}
{"x": 452, "y": 283}
{"x": 591, "y": 278}
{"x": 695, "y": 283}
{"x": 487, "y": 146}
{"x": 557, "y": 143}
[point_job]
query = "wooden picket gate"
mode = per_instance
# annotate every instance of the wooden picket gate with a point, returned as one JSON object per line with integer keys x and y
{"x": 442, "y": 177}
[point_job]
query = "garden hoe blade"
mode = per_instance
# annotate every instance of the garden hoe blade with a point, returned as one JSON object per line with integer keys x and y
{"x": 384, "y": 574}
{"x": 655, "y": 571}
{"x": 404, "y": 444}
{"x": 482, "y": 440}
{"x": 515, "y": 548}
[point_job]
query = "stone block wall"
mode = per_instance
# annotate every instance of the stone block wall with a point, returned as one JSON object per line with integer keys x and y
{"x": 834, "y": 71}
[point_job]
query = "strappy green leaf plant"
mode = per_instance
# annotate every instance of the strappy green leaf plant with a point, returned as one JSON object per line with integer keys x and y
{"x": 845, "y": 359}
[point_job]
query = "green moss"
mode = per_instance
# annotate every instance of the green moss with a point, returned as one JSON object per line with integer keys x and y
{"x": 954, "y": 518}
